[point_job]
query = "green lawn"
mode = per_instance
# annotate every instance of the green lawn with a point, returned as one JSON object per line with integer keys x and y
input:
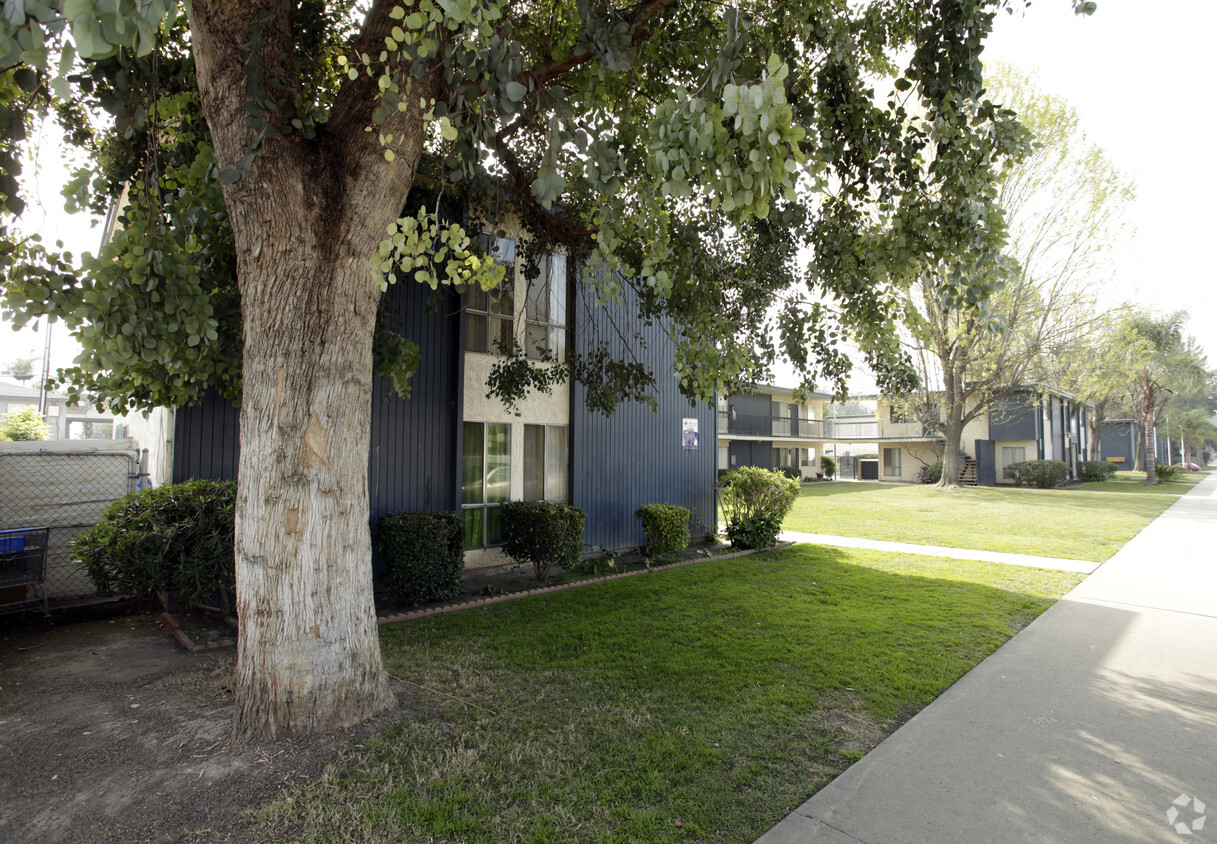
{"x": 1086, "y": 522}
{"x": 695, "y": 704}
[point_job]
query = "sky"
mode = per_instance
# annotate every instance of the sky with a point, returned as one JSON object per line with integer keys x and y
{"x": 1136, "y": 72}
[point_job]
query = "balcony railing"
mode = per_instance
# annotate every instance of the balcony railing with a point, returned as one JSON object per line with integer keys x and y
{"x": 783, "y": 427}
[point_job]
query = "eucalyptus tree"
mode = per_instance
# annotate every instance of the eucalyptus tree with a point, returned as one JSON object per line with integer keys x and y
{"x": 1064, "y": 203}
{"x": 265, "y": 152}
{"x": 1162, "y": 361}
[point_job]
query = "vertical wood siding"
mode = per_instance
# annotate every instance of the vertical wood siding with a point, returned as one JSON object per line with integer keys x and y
{"x": 414, "y": 443}
{"x": 635, "y": 456}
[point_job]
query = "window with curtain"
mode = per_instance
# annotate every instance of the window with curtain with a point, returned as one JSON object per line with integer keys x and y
{"x": 485, "y": 480}
{"x": 1010, "y": 455}
{"x": 545, "y": 463}
{"x": 490, "y": 315}
{"x": 891, "y": 462}
{"x": 545, "y": 310}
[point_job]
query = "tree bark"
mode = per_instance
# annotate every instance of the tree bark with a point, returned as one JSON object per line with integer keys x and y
{"x": 307, "y": 216}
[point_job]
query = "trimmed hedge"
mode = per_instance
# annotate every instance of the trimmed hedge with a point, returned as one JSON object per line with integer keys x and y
{"x": 1096, "y": 470}
{"x": 667, "y": 529}
{"x": 1042, "y": 474}
{"x": 754, "y": 502}
{"x": 177, "y": 538}
{"x": 828, "y": 466}
{"x": 424, "y": 556}
{"x": 544, "y": 533}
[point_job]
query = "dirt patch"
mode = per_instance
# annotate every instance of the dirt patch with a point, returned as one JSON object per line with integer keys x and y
{"x": 109, "y": 732}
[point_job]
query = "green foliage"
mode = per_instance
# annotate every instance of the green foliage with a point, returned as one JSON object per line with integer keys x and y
{"x": 544, "y": 533}
{"x": 661, "y": 149}
{"x": 930, "y": 474}
{"x": 667, "y": 529}
{"x": 1041, "y": 474}
{"x": 754, "y": 503}
{"x": 1096, "y": 471}
{"x": 1166, "y": 474}
{"x": 828, "y": 466}
{"x": 23, "y": 424}
{"x": 424, "y": 555}
{"x": 792, "y": 473}
{"x": 176, "y": 538}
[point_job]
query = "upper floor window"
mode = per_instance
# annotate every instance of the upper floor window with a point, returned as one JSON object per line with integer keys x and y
{"x": 490, "y": 315}
{"x": 545, "y": 310}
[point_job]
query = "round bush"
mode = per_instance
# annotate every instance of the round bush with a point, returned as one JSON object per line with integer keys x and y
{"x": 667, "y": 529}
{"x": 544, "y": 533}
{"x": 176, "y": 538}
{"x": 754, "y": 503}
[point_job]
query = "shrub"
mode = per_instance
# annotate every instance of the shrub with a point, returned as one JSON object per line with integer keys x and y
{"x": 792, "y": 473}
{"x": 667, "y": 529}
{"x": 1042, "y": 474}
{"x": 25, "y": 424}
{"x": 1096, "y": 470}
{"x": 754, "y": 502}
{"x": 424, "y": 555}
{"x": 828, "y": 466}
{"x": 543, "y": 533}
{"x": 930, "y": 474}
{"x": 176, "y": 538}
{"x": 1168, "y": 473}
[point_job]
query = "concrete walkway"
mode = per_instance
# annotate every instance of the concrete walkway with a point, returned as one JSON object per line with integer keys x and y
{"x": 1097, "y": 723}
{"x": 1083, "y": 566}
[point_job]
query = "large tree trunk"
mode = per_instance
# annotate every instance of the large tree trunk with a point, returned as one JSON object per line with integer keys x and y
{"x": 952, "y": 430}
{"x": 307, "y": 216}
{"x": 309, "y": 655}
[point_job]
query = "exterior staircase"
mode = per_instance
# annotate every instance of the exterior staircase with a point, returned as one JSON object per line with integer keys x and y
{"x": 967, "y": 475}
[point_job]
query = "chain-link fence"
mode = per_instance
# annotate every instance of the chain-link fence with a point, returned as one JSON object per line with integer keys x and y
{"x": 64, "y": 488}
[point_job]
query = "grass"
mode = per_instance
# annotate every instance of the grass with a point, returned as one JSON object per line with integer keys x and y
{"x": 1085, "y": 522}
{"x": 696, "y": 704}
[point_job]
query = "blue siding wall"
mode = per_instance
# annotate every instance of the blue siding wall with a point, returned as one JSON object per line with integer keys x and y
{"x": 1119, "y": 440}
{"x": 1014, "y": 418}
{"x": 635, "y": 456}
{"x": 205, "y": 438}
{"x": 413, "y": 454}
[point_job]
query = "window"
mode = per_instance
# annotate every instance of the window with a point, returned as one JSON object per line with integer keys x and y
{"x": 545, "y": 310}
{"x": 490, "y": 316}
{"x": 898, "y": 414}
{"x": 785, "y": 458}
{"x": 1011, "y": 455}
{"x": 485, "y": 480}
{"x": 545, "y": 462}
{"x": 891, "y": 462}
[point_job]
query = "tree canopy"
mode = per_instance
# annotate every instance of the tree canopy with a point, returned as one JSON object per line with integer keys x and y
{"x": 1064, "y": 203}
{"x": 688, "y": 150}
{"x": 275, "y": 165}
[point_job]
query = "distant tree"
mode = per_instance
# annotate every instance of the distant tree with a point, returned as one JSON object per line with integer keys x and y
{"x": 1065, "y": 205}
{"x": 23, "y": 424}
{"x": 1162, "y": 361}
{"x": 1196, "y": 433}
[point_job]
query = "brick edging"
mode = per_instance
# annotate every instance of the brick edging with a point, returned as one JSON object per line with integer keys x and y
{"x": 543, "y": 590}
{"x": 185, "y": 641}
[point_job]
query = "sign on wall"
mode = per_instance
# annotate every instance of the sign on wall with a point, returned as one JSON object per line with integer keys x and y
{"x": 688, "y": 433}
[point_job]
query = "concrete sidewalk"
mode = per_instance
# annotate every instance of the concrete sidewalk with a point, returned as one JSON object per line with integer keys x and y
{"x": 1059, "y": 564}
{"x": 1088, "y": 726}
